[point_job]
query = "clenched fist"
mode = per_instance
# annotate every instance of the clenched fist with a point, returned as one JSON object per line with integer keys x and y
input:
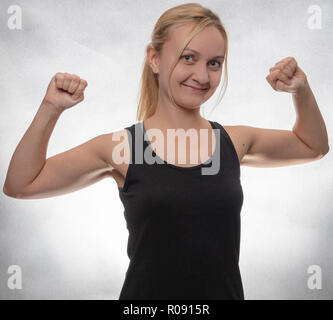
{"x": 287, "y": 76}
{"x": 65, "y": 90}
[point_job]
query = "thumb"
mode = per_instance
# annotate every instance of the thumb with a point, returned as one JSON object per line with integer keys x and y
{"x": 281, "y": 86}
{"x": 78, "y": 93}
{"x": 52, "y": 85}
{"x": 77, "y": 99}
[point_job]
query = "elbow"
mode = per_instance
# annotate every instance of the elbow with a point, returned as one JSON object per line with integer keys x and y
{"x": 6, "y": 192}
{"x": 324, "y": 152}
{"x": 327, "y": 150}
{"x": 10, "y": 194}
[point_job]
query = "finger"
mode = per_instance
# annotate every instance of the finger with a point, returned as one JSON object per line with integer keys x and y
{"x": 272, "y": 81}
{"x": 281, "y": 69}
{"x": 67, "y": 81}
{"x": 292, "y": 65}
{"x": 278, "y": 75}
{"x": 283, "y": 77}
{"x": 288, "y": 70}
{"x": 79, "y": 91}
{"x": 59, "y": 78}
{"x": 284, "y": 61}
{"x": 75, "y": 82}
{"x": 288, "y": 66}
{"x": 280, "y": 86}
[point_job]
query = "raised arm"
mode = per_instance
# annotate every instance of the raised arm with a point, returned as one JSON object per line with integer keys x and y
{"x": 30, "y": 175}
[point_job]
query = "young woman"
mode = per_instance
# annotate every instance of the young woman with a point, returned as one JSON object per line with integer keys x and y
{"x": 183, "y": 222}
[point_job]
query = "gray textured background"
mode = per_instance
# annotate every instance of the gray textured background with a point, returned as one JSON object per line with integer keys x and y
{"x": 74, "y": 246}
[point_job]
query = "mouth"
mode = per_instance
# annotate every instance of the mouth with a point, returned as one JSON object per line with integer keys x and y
{"x": 195, "y": 88}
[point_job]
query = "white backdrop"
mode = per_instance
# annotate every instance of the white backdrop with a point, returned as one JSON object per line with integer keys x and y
{"x": 74, "y": 246}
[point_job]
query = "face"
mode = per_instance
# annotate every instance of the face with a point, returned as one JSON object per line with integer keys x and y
{"x": 200, "y": 67}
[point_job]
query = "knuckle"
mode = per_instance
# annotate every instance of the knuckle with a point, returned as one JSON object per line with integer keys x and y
{"x": 59, "y": 75}
{"x": 76, "y": 78}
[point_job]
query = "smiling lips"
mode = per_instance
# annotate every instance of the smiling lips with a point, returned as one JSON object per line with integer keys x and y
{"x": 195, "y": 88}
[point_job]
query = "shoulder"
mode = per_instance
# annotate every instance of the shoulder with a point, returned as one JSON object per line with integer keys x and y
{"x": 114, "y": 148}
{"x": 241, "y": 137}
{"x": 237, "y": 131}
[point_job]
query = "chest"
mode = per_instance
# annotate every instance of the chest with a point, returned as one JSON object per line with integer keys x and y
{"x": 191, "y": 155}
{"x": 187, "y": 192}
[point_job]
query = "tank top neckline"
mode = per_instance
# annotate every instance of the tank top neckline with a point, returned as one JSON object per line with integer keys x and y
{"x": 199, "y": 166}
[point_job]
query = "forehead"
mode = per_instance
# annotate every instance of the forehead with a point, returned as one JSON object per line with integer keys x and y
{"x": 209, "y": 41}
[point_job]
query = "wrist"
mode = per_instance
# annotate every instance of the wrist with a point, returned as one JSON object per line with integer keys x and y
{"x": 51, "y": 108}
{"x": 303, "y": 90}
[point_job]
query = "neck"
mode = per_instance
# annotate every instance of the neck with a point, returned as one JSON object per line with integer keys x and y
{"x": 169, "y": 116}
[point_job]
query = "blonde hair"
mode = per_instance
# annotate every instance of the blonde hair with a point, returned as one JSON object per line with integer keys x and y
{"x": 173, "y": 17}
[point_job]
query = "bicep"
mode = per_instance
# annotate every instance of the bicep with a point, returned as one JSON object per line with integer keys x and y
{"x": 275, "y": 148}
{"x": 71, "y": 170}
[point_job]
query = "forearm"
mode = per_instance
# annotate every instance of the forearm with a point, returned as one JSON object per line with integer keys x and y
{"x": 310, "y": 126}
{"x": 30, "y": 154}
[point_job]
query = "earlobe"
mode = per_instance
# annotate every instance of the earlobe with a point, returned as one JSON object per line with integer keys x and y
{"x": 152, "y": 59}
{"x": 154, "y": 65}
{"x": 155, "y": 68}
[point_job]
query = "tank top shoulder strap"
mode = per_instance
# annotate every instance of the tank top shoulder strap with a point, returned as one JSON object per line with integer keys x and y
{"x": 130, "y": 130}
{"x": 226, "y": 138}
{"x": 135, "y": 137}
{"x": 138, "y": 128}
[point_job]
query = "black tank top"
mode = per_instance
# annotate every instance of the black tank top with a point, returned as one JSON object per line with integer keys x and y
{"x": 184, "y": 226}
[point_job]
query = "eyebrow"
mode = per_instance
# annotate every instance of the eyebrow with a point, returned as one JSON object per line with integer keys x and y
{"x": 199, "y": 53}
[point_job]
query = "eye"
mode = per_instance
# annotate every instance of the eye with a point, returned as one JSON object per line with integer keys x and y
{"x": 219, "y": 64}
{"x": 187, "y": 55}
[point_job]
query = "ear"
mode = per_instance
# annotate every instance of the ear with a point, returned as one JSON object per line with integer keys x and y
{"x": 153, "y": 58}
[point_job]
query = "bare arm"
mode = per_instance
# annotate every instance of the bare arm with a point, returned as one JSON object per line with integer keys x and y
{"x": 69, "y": 171}
{"x": 29, "y": 174}
{"x": 30, "y": 154}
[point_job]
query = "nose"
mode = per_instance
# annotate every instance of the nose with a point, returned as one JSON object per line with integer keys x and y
{"x": 201, "y": 75}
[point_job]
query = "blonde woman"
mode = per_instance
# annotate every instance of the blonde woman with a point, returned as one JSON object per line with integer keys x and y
{"x": 183, "y": 221}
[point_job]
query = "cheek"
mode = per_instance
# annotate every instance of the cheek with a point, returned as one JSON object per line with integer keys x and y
{"x": 175, "y": 80}
{"x": 217, "y": 79}
{"x": 179, "y": 75}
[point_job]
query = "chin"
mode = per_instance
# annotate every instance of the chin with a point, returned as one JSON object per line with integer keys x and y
{"x": 189, "y": 106}
{"x": 191, "y": 101}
